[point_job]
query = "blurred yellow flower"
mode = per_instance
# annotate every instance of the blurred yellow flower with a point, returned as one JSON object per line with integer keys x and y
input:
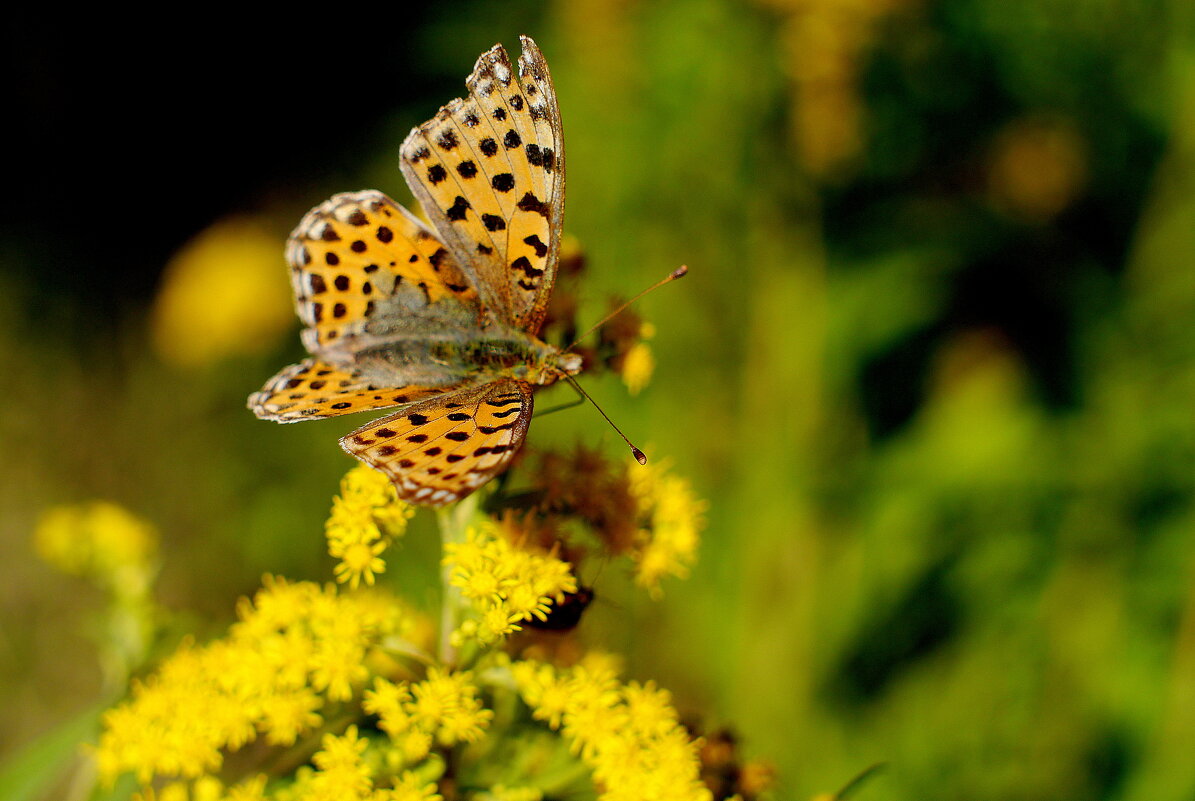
{"x": 410, "y": 787}
{"x": 638, "y": 364}
{"x": 340, "y": 773}
{"x": 444, "y": 708}
{"x": 672, "y": 517}
{"x": 826, "y": 44}
{"x": 101, "y": 541}
{"x": 223, "y": 294}
{"x": 448, "y": 705}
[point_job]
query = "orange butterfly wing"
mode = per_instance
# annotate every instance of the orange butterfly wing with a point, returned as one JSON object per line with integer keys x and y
{"x": 489, "y": 173}
{"x": 442, "y": 449}
{"x": 312, "y": 390}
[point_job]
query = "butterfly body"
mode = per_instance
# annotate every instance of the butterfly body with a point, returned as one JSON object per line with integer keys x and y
{"x": 467, "y": 356}
{"x": 440, "y": 320}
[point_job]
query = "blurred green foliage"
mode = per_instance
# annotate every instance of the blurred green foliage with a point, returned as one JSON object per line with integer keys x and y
{"x": 934, "y": 369}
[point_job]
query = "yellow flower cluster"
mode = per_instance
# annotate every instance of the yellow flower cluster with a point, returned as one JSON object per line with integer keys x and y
{"x": 444, "y": 708}
{"x": 506, "y": 585}
{"x": 366, "y": 516}
{"x": 295, "y": 648}
{"x": 101, "y": 541}
{"x": 628, "y": 734}
{"x": 345, "y": 771}
{"x": 672, "y": 517}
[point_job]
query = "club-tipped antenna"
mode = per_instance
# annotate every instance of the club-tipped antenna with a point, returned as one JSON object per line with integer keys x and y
{"x": 679, "y": 272}
{"x": 639, "y": 455}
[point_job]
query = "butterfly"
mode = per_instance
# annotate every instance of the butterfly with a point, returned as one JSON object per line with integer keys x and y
{"x": 441, "y": 320}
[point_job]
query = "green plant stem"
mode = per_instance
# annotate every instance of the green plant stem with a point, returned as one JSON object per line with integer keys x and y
{"x": 454, "y": 523}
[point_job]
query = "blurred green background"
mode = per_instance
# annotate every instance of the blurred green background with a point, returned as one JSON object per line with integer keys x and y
{"x": 933, "y": 368}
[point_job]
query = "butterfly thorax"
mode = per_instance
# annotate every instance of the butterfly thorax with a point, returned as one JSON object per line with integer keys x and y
{"x": 443, "y": 359}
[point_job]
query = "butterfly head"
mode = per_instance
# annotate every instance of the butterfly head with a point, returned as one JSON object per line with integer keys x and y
{"x": 568, "y": 363}
{"x": 550, "y": 365}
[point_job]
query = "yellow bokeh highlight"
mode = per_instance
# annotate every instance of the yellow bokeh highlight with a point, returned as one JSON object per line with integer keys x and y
{"x": 223, "y": 294}
{"x": 99, "y": 540}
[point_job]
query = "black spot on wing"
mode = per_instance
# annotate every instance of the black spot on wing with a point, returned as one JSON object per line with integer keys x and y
{"x": 534, "y": 241}
{"x": 530, "y": 202}
{"x": 524, "y": 264}
{"x": 456, "y": 212}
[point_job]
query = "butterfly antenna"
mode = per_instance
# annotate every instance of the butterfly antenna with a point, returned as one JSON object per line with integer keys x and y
{"x": 679, "y": 272}
{"x": 640, "y": 456}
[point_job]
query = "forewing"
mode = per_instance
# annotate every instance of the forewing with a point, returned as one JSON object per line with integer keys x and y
{"x": 489, "y": 173}
{"x": 438, "y": 451}
{"x": 313, "y": 390}
{"x": 351, "y": 253}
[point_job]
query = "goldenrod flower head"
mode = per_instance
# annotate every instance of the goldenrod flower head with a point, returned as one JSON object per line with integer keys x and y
{"x": 220, "y": 296}
{"x": 388, "y": 701}
{"x": 445, "y": 707}
{"x": 365, "y": 518}
{"x": 627, "y": 734}
{"x": 253, "y": 789}
{"x": 506, "y": 584}
{"x": 672, "y": 518}
{"x": 295, "y": 648}
{"x": 448, "y": 705}
{"x": 99, "y": 540}
{"x": 409, "y": 787}
{"x": 341, "y": 771}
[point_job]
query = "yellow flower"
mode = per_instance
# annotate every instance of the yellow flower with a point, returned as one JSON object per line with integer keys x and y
{"x": 627, "y": 734}
{"x": 448, "y": 705}
{"x": 296, "y": 648}
{"x": 250, "y": 790}
{"x": 637, "y": 364}
{"x": 365, "y": 517}
{"x": 445, "y": 707}
{"x": 386, "y": 700}
{"x": 342, "y": 771}
{"x": 100, "y": 540}
{"x": 673, "y": 518}
{"x": 222, "y": 295}
{"x": 409, "y": 787}
{"x": 506, "y": 584}
{"x": 290, "y": 714}
{"x": 637, "y": 367}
